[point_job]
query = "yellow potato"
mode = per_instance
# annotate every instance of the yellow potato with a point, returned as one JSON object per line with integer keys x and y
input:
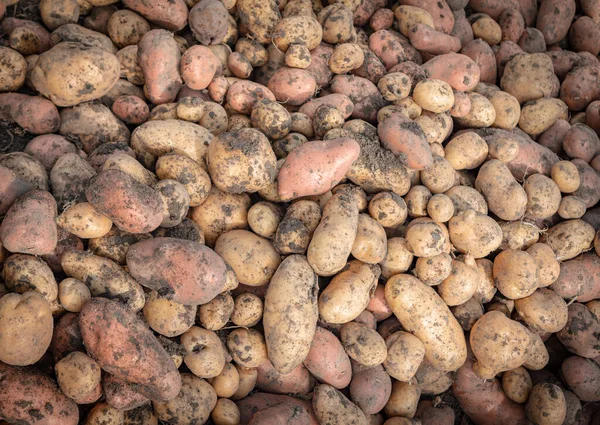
{"x": 85, "y": 221}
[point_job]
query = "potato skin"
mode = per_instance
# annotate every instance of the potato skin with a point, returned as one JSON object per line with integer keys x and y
{"x": 582, "y": 376}
{"x": 290, "y": 313}
{"x": 332, "y": 407}
{"x": 159, "y": 59}
{"x": 29, "y": 396}
{"x": 35, "y": 114}
{"x": 327, "y": 360}
{"x": 197, "y": 277}
{"x": 114, "y": 337}
{"x": 191, "y": 406}
{"x": 370, "y": 389}
{"x": 26, "y": 323}
{"x": 581, "y": 334}
{"x": 259, "y": 17}
{"x": 418, "y": 307}
{"x": 495, "y": 178}
{"x": 460, "y": 71}
{"x": 169, "y": 14}
{"x": 334, "y": 237}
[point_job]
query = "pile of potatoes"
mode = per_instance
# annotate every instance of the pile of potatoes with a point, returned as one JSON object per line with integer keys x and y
{"x": 301, "y": 212}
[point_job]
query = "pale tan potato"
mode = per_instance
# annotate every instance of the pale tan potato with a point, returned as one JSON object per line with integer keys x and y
{"x": 433, "y": 95}
{"x": 569, "y": 238}
{"x": 348, "y": 293}
{"x": 546, "y": 404}
{"x": 416, "y": 201}
{"x": 481, "y": 114}
{"x": 78, "y": 376}
{"x": 190, "y": 109}
{"x": 297, "y": 29}
{"x": 517, "y": 384}
{"x": 440, "y": 208}
{"x": 539, "y": 115}
{"x": 271, "y": 118}
{"x": 103, "y": 413}
{"x": 395, "y": 86}
{"x": 388, "y": 209}
{"x": 225, "y": 412}
{"x": 73, "y": 294}
{"x": 543, "y": 196}
{"x": 239, "y": 339}
{"x": 460, "y": 285}
{"x": 363, "y": 344}
{"x": 516, "y": 274}
{"x": 404, "y": 399}
{"x": 571, "y": 207}
{"x": 298, "y": 56}
{"x": 126, "y": 28}
{"x": 544, "y": 310}
{"x": 254, "y": 259}
{"x": 498, "y": 185}
{"x": 14, "y": 72}
{"x": 439, "y": 177}
{"x": 168, "y": 317}
{"x": 227, "y": 382}
{"x": 370, "y": 244}
{"x": 467, "y": 198}
{"x": 466, "y": 151}
{"x": 84, "y": 221}
{"x": 193, "y": 404}
{"x": 247, "y": 310}
{"x": 433, "y": 270}
{"x": 331, "y": 406}
{"x": 264, "y": 218}
{"x": 426, "y": 239}
{"x": 345, "y": 58}
{"x": 215, "y": 314}
{"x": 409, "y": 16}
{"x": 519, "y": 235}
{"x": 566, "y": 176}
{"x": 398, "y": 258}
{"x": 56, "y": 13}
{"x": 487, "y": 29}
{"x": 22, "y": 273}
{"x": 205, "y": 354}
{"x": 247, "y": 382}
{"x": 405, "y": 352}
{"x": 188, "y": 172}
{"x": 436, "y": 127}
{"x": 131, "y": 166}
{"x": 507, "y": 107}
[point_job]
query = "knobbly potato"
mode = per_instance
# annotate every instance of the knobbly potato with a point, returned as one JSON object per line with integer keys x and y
{"x": 205, "y": 355}
{"x": 404, "y": 355}
{"x": 433, "y": 270}
{"x": 188, "y": 172}
{"x": 519, "y": 235}
{"x": 445, "y": 347}
{"x": 461, "y": 283}
{"x": 22, "y": 273}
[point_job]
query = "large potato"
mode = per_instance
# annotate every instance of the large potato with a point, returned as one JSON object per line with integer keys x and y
{"x": 70, "y": 73}
{"x": 418, "y": 307}
{"x": 259, "y": 17}
{"x": 125, "y": 347}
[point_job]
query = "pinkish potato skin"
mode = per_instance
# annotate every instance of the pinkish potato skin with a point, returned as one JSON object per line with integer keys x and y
{"x": 185, "y": 271}
{"x": 35, "y": 114}
{"x": 132, "y": 206}
{"x": 121, "y": 395}
{"x": 29, "y": 226}
{"x": 131, "y": 109}
{"x": 198, "y": 67}
{"x": 125, "y": 347}
{"x": 28, "y": 396}
{"x": 313, "y": 168}
{"x": 169, "y": 14}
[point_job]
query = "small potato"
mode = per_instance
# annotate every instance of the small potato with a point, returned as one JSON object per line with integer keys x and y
{"x": 370, "y": 244}
{"x": 481, "y": 114}
{"x": 247, "y": 381}
{"x": 190, "y": 109}
{"x": 12, "y": 76}
{"x": 73, "y": 294}
{"x": 466, "y": 151}
{"x": 331, "y": 406}
{"x": 416, "y": 201}
{"x": 168, "y": 317}
{"x": 345, "y": 58}
{"x": 394, "y": 86}
{"x": 103, "y": 413}
{"x": 271, "y": 118}
{"x": 426, "y": 239}
{"x": 434, "y": 95}
{"x": 337, "y": 22}
{"x": 327, "y": 360}
{"x": 566, "y": 175}
{"x": 84, "y": 221}
{"x": 239, "y": 65}
{"x": 187, "y": 172}
{"x": 486, "y": 28}
{"x": 440, "y": 208}
{"x": 26, "y": 321}
{"x": 131, "y": 109}
{"x": 78, "y": 377}
{"x": 298, "y": 56}
{"x": 537, "y": 116}
{"x": 579, "y": 335}
{"x": 571, "y": 207}
{"x": 508, "y": 110}
{"x": 205, "y": 355}
{"x": 225, "y": 412}
{"x": 439, "y": 177}
{"x": 433, "y": 270}
{"x": 398, "y": 258}
{"x": 546, "y": 404}
{"x": 198, "y": 67}
{"x": 247, "y": 310}
{"x": 388, "y": 209}
{"x": 326, "y": 118}
{"x": 519, "y": 235}
{"x": 549, "y": 267}
{"x": 543, "y": 310}
{"x": 264, "y": 218}
{"x": 175, "y": 200}
{"x": 543, "y": 196}
{"x": 216, "y": 313}
{"x": 370, "y": 389}
{"x": 403, "y": 400}
{"x": 362, "y": 344}
{"x": 192, "y": 405}
{"x": 570, "y": 238}
{"x": 227, "y": 382}
{"x": 405, "y": 353}
{"x": 241, "y": 338}
{"x": 517, "y": 384}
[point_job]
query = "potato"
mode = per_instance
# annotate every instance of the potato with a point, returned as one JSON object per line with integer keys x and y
{"x": 78, "y": 377}
{"x": 121, "y": 395}
{"x": 22, "y": 273}
{"x": 461, "y": 283}
{"x": 402, "y": 135}
{"x": 546, "y": 404}
{"x": 35, "y": 390}
{"x": 297, "y": 29}
{"x": 403, "y": 400}
{"x": 543, "y": 196}
{"x": 543, "y": 310}
{"x": 539, "y": 115}
{"x": 331, "y": 406}
{"x": 260, "y": 18}
{"x": 405, "y": 353}
{"x": 569, "y": 238}
{"x": 248, "y": 310}
{"x": 519, "y": 235}
{"x": 494, "y": 178}
{"x": 193, "y": 404}
{"x": 298, "y": 381}
{"x": 337, "y": 22}
{"x": 12, "y": 77}
{"x": 471, "y": 391}
{"x": 579, "y": 335}
{"x": 131, "y": 109}
{"x": 79, "y": 65}
{"x": 458, "y": 70}
{"x": 168, "y": 317}
{"x": 507, "y": 110}
{"x": 466, "y": 151}
{"x": 54, "y": 14}
{"x": 26, "y": 321}
{"x": 529, "y": 77}
{"x": 84, "y": 221}
{"x": 227, "y": 382}
{"x": 73, "y": 294}
{"x": 363, "y": 344}
{"x": 398, "y": 258}
{"x": 388, "y": 209}
{"x": 287, "y": 344}
{"x": 264, "y": 219}
{"x": 517, "y": 384}
{"x": 348, "y": 293}
{"x": 188, "y": 172}
{"x": 29, "y": 224}
{"x": 581, "y": 375}
{"x": 370, "y": 244}
{"x": 409, "y": 16}
{"x": 515, "y": 282}
{"x": 215, "y": 314}
{"x": 363, "y": 93}
{"x": 126, "y": 28}
{"x": 434, "y": 95}
{"x": 225, "y": 413}
{"x": 205, "y": 354}
{"x": 370, "y": 389}
{"x": 578, "y": 278}
{"x": 327, "y": 360}
{"x": 292, "y": 85}
{"x": 433, "y": 270}
{"x": 445, "y": 347}
{"x": 426, "y": 239}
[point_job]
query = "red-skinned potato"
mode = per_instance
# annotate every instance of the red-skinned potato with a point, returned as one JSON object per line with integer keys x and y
{"x": 159, "y": 60}
{"x": 327, "y": 360}
{"x": 169, "y": 14}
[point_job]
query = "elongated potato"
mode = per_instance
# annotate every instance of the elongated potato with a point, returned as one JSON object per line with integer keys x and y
{"x": 327, "y": 361}
{"x": 422, "y": 312}
{"x": 334, "y": 237}
{"x": 290, "y": 313}
{"x": 474, "y": 233}
{"x": 497, "y": 184}
{"x": 84, "y": 221}
{"x": 332, "y": 407}
{"x": 24, "y": 273}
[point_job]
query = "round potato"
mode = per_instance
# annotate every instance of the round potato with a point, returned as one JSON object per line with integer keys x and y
{"x": 194, "y": 403}
{"x": 78, "y": 376}
{"x": 434, "y": 95}
{"x": 216, "y": 313}
{"x": 168, "y": 317}
{"x": 73, "y": 294}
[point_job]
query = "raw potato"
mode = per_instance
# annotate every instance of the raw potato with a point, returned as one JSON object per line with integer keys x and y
{"x": 433, "y": 270}
{"x": 403, "y": 400}
{"x": 474, "y": 233}
{"x": 204, "y": 352}
{"x": 548, "y": 265}
{"x": 332, "y": 407}
{"x": 327, "y": 360}
{"x": 363, "y": 344}
{"x": 22, "y": 273}
{"x": 187, "y": 172}
{"x": 517, "y": 384}
{"x": 215, "y": 314}
{"x": 78, "y": 377}
{"x": 370, "y": 244}
{"x": 405, "y": 352}
{"x": 84, "y": 221}
{"x": 434, "y": 95}
{"x": 516, "y": 274}
{"x": 546, "y": 404}
{"x": 570, "y": 238}
{"x": 388, "y": 209}
{"x": 418, "y": 307}
{"x": 426, "y": 239}
{"x": 73, "y": 294}
{"x": 497, "y": 184}
{"x": 193, "y": 404}
{"x": 168, "y": 317}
